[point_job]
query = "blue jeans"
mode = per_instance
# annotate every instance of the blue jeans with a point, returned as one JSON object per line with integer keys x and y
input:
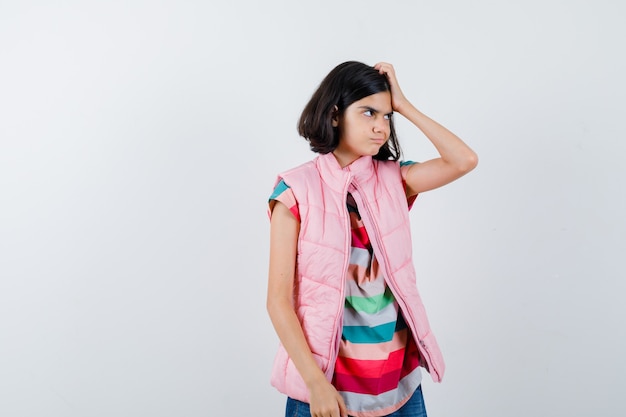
{"x": 413, "y": 408}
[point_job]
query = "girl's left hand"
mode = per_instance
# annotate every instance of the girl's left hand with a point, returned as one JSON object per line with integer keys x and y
{"x": 398, "y": 100}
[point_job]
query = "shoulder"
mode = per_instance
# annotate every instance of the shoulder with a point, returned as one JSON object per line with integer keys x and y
{"x": 394, "y": 164}
{"x": 298, "y": 174}
{"x": 390, "y": 168}
{"x": 405, "y": 166}
{"x": 280, "y": 188}
{"x": 284, "y": 194}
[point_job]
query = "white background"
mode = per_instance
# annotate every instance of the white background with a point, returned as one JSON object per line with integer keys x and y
{"x": 139, "y": 141}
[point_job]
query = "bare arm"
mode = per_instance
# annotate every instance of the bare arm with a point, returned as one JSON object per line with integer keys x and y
{"x": 455, "y": 157}
{"x": 325, "y": 400}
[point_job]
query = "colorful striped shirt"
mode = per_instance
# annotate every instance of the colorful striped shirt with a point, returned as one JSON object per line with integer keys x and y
{"x": 377, "y": 369}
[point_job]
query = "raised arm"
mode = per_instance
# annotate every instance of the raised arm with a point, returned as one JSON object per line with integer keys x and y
{"x": 455, "y": 157}
{"x": 324, "y": 399}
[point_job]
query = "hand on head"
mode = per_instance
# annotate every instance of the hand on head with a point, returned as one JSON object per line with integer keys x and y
{"x": 398, "y": 99}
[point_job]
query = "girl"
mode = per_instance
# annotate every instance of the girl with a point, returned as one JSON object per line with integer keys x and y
{"x": 341, "y": 291}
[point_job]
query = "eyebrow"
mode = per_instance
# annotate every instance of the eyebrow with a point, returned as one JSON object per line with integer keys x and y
{"x": 373, "y": 110}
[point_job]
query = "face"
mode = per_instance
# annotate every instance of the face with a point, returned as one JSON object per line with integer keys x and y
{"x": 363, "y": 127}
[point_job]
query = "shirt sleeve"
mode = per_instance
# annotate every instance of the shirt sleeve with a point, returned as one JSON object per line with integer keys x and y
{"x": 404, "y": 168}
{"x": 282, "y": 193}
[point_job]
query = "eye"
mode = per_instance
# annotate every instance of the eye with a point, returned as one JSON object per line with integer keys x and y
{"x": 388, "y": 116}
{"x": 368, "y": 113}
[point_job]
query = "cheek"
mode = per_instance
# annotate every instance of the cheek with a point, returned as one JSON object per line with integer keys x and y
{"x": 352, "y": 128}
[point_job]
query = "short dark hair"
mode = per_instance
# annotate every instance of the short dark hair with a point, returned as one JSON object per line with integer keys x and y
{"x": 346, "y": 83}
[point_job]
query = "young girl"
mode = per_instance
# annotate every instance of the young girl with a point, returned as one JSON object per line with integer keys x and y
{"x": 341, "y": 292}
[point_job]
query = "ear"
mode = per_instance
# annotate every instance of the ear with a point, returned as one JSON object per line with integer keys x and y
{"x": 335, "y": 116}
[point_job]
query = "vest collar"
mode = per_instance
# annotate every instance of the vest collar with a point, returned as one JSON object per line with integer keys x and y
{"x": 337, "y": 177}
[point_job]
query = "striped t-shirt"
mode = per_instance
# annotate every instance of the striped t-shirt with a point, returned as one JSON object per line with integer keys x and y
{"x": 377, "y": 369}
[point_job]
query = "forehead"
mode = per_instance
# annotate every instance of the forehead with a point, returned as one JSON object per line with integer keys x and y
{"x": 380, "y": 102}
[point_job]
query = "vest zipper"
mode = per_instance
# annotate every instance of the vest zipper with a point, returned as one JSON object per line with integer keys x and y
{"x": 382, "y": 256}
{"x": 340, "y": 310}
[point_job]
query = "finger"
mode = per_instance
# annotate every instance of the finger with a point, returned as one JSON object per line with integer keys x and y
{"x": 382, "y": 67}
{"x": 387, "y": 70}
{"x": 343, "y": 410}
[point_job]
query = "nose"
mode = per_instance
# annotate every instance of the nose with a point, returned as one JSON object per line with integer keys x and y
{"x": 380, "y": 125}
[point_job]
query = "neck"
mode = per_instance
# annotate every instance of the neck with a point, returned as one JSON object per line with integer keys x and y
{"x": 344, "y": 160}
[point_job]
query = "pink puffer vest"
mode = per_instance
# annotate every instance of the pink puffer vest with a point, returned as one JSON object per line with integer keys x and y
{"x": 320, "y": 187}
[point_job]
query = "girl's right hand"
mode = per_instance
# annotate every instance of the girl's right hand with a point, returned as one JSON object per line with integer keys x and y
{"x": 325, "y": 401}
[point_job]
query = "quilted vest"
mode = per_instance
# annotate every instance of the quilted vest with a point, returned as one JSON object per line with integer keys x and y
{"x": 320, "y": 187}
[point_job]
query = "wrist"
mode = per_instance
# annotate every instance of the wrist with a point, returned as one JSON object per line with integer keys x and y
{"x": 315, "y": 380}
{"x": 403, "y": 107}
